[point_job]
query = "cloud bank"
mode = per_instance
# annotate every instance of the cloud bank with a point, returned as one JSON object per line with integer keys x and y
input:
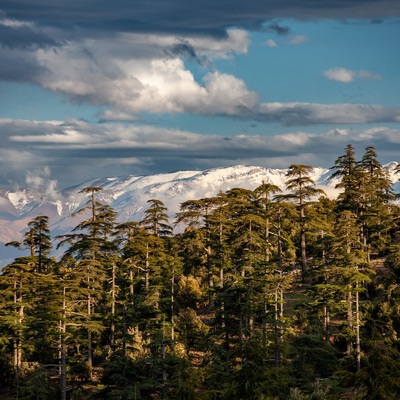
{"x": 200, "y": 17}
{"x": 131, "y": 58}
{"x": 76, "y": 151}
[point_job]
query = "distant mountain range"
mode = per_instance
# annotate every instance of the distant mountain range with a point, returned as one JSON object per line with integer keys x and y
{"x": 128, "y": 196}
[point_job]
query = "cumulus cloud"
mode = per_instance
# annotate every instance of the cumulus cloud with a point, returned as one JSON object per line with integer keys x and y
{"x": 133, "y": 73}
{"x": 345, "y": 75}
{"x": 39, "y": 179}
{"x": 152, "y": 84}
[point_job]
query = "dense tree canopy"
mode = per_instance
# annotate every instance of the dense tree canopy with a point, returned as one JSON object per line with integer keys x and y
{"x": 271, "y": 293}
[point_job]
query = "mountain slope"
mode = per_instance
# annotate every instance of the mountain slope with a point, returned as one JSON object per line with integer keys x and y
{"x": 128, "y": 195}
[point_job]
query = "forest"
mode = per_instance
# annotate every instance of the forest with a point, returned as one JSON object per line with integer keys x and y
{"x": 272, "y": 293}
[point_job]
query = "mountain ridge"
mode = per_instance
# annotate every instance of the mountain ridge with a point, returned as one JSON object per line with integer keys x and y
{"x": 128, "y": 196}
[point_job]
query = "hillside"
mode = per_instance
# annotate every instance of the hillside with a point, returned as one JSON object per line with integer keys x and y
{"x": 128, "y": 195}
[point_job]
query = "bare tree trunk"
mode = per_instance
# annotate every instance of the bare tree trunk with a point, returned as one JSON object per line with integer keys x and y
{"x": 303, "y": 242}
{"x": 349, "y": 320}
{"x": 210, "y": 280}
{"x": 147, "y": 271}
{"x": 63, "y": 351}
{"x": 326, "y": 322}
{"x": 89, "y": 356}
{"x": 264, "y": 325}
{"x": 276, "y": 331}
{"x": 17, "y": 340}
{"x": 113, "y": 300}
{"x": 172, "y": 307}
{"x": 163, "y": 344}
{"x": 358, "y": 350}
{"x": 131, "y": 285}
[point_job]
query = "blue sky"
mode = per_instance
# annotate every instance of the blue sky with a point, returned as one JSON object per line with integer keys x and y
{"x": 134, "y": 87}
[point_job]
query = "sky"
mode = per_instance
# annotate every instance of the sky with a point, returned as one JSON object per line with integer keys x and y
{"x": 91, "y": 89}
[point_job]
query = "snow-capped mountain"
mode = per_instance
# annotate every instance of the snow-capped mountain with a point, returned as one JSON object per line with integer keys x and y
{"x": 128, "y": 196}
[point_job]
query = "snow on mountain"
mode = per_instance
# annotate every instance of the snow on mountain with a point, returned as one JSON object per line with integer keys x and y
{"x": 128, "y": 196}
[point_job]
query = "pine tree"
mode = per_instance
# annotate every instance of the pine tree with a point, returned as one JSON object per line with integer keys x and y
{"x": 263, "y": 195}
{"x": 37, "y": 240}
{"x": 351, "y": 263}
{"x": 302, "y": 188}
{"x": 347, "y": 171}
{"x": 374, "y": 215}
{"x": 91, "y": 248}
{"x": 156, "y": 220}
{"x": 196, "y": 213}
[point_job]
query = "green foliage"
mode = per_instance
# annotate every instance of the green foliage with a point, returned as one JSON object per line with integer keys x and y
{"x": 218, "y": 311}
{"x": 380, "y": 376}
{"x": 312, "y": 357}
{"x": 38, "y": 385}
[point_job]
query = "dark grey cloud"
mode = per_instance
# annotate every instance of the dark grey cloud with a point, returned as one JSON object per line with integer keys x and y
{"x": 183, "y": 16}
{"x": 278, "y": 29}
{"x": 74, "y": 151}
{"x": 303, "y": 114}
{"x": 19, "y": 66}
{"x": 184, "y": 49}
{"x": 24, "y": 37}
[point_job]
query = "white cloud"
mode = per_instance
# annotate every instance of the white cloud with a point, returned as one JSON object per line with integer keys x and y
{"x": 295, "y": 40}
{"x": 113, "y": 115}
{"x": 367, "y": 75}
{"x": 345, "y": 75}
{"x": 13, "y": 23}
{"x": 340, "y": 75}
{"x": 297, "y": 113}
{"x": 271, "y": 43}
{"x": 121, "y": 149}
{"x": 236, "y": 41}
{"x": 145, "y": 73}
{"x": 37, "y": 178}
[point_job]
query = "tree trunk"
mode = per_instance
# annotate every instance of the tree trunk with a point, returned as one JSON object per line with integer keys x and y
{"x": 210, "y": 280}
{"x": 17, "y": 335}
{"x": 349, "y": 320}
{"x": 89, "y": 356}
{"x": 113, "y": 296}
{"x": 172, "y": 308}
{"x": 358, "y": 350}
{"x": 303, "y": 242}
{"x": 63, "y": 351}
{"x": 276, "y": 332}
{"x": 147, "y": 271}
{"x": 131, "y": 286}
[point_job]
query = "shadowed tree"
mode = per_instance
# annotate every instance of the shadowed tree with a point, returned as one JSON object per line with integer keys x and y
{"x": 37, "y": 239}
{"x": 91, "y": 247}
{"x": 301, "y": 186}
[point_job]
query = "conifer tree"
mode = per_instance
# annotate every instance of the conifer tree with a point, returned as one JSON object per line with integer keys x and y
{"x": 375, "y": 217}
{"x": 302, "y": 189}
{"x": 91, "y": 248}
{"x": 37, "y": 240}
{"x": 156, "y": 220}
{"x": 196, "y": 213}
{"x": 347, "y": 172}
{"x": 263, "y": 195}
